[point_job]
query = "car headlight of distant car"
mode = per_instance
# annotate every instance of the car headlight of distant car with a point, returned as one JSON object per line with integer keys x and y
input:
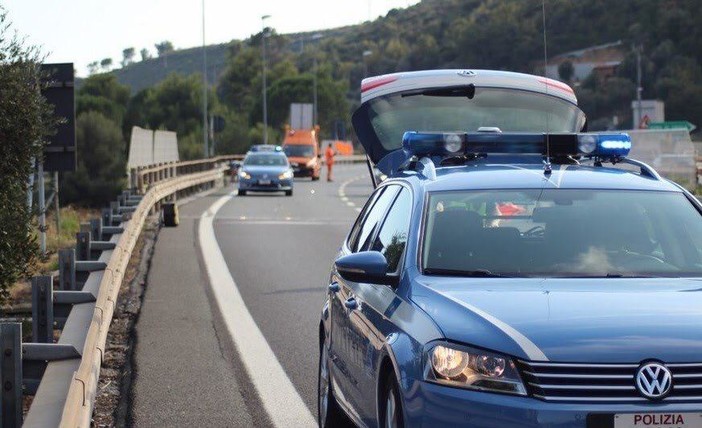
{"x": 244, "y": 174}
{"x": 286, "y": 175}
{"x": 311, "y": 163}
{"x": 471, "y": 368}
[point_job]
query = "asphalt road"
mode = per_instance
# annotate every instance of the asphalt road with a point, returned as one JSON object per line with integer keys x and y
{"x": 279, "y": 251}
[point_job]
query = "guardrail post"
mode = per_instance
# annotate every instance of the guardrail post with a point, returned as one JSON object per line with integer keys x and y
{"x": 83, "y": 250}
{"x": 42, "y": 309}
{"x": 96, "y": 229}
{"x": 11, "y": 374}
{"x": 107, "y": 217}
{"x": 67, "y": 269}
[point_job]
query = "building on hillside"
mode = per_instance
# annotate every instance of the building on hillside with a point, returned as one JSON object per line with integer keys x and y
{"x": 601, "y": 59}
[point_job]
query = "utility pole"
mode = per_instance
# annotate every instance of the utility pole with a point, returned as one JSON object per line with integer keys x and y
{"x": 204, "y": 85}
{"x": 265, "y": 97}
{"x": 365, "y": 64}
{"x": 315, "y": 117}
{"x": 639, "y": 88}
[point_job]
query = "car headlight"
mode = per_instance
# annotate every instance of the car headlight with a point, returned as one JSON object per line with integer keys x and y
{"x": 473, "y": 369}
{"x": 244, "y": 174}
{"x": 311, "y": 163}
{"x": 285, "y": 175}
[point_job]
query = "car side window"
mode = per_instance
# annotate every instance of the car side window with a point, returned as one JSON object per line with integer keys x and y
{"x": 374, "y": 218}
{"x": 392, "y": 237}
{"x": 353, "y": 236}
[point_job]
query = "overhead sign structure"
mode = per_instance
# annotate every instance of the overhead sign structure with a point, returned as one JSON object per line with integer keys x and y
{"x": 60, "y": 152}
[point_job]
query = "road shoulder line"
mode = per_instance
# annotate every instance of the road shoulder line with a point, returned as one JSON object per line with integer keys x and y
{"x": 278, "y": 395}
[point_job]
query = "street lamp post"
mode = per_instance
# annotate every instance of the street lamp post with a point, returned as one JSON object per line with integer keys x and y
{"x": 365, "y": 64}
{"x": 315, "y": 117}
{"x": 204, "y": 86}
{"x": 265, "y": 98}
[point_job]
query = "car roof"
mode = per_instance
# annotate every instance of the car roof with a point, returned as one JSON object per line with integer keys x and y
{"x": 531, "y": 176}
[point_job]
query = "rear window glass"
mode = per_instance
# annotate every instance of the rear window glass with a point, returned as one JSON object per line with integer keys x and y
{"x": 266, "y": 159}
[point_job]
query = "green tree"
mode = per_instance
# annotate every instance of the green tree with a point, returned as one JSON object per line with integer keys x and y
{"x": 101, "y": 170}
{"x": 175, "y": 104}
{"x": 103, "y": 93}
{"x": 25, "y": 120}
{"x": 106, "y": 64}
{"x": 127, "y": 56}
{"x": 565, "y": 71}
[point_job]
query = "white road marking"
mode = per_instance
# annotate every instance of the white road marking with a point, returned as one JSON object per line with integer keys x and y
{"x": 278, "y": 395}
{"x": 342, "y": 191}
{"x": 358, "y": 209}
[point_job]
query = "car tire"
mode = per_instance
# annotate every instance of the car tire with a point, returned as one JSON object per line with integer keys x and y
{"x": 315, "y": 178}
{"x": 288, "y": 193}
{"x": 390, "y": 413}
{"x": 242, "y": 192}
{"x": 329, "y": 414}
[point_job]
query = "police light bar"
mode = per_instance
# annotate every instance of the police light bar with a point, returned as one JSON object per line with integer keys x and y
{"x": 447, "y": 144}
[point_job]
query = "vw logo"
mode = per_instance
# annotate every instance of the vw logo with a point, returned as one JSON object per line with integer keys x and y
{"x": 654, "y": 380}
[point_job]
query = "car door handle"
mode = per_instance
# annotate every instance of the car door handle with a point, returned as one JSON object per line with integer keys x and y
{"x": 334, "y": 287}
{"x": 351, "y": 303}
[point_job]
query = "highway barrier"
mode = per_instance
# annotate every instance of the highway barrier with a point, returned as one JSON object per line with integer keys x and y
{"x": 62, "y": 375}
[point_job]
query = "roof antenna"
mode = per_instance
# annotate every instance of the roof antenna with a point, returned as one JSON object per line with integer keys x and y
{"x": 547, "y": 162}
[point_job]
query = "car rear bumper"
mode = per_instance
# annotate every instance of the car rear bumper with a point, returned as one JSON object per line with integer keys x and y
{"x": 433, "y": 405}
{"x": 274, "y": 186}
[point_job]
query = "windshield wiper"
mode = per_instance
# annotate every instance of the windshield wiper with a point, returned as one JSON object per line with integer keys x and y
{"x": 467, "y": 91}
{"x": 477, "y": 273}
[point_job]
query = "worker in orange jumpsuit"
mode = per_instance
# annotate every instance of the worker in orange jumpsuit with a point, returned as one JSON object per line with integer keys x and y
{"x": 329, "y": 158}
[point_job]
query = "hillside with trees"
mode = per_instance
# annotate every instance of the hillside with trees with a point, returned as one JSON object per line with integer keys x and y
{"x": 166, "y": 91}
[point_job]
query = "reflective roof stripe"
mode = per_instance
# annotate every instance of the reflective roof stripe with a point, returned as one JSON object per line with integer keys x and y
{"x": 530, "y": 349}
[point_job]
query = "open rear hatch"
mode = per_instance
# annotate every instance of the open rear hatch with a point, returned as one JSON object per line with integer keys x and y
{"x": 458, "y": 101}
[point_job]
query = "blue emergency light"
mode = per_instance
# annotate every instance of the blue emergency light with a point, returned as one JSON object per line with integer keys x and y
{"x": 448, "y": 144}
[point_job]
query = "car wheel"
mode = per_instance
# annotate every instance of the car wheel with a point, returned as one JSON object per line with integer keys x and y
{"x": 391, "y": 410}
{"x": 242, "y": 192}
{"x": 315, "y": 178}
{"x": 288, "y": 193}
{"x": 329, "y": 414}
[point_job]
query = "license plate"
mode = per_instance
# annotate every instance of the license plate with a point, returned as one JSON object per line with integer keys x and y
{"x": 658, "y": 420}
{"x": 264, "y": 182}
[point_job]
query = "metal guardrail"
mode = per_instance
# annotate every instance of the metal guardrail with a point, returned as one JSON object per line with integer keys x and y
{"x": 141, "y": 178}
{"x": 63, "y": 376}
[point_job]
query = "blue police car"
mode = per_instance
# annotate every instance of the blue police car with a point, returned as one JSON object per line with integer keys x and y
{"x": 265, "y": 169}
{"x": 512, "y": 271}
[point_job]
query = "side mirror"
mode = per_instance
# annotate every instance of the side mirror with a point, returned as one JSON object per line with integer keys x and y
{"x": 366, "y": 266}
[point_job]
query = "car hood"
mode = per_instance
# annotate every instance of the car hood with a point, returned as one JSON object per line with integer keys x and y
{"x": 611, "y": 320}
{"x": 256, "y": 169}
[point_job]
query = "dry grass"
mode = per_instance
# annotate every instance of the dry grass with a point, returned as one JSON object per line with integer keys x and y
{"x": 71, "y": 218}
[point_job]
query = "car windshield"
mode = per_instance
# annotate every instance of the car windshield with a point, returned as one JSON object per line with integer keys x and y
{"x": 266, "y": 159}
{"x": 562, "y": 233}
{"x": 509, "y": 110}
{"x": 299, "y": 150}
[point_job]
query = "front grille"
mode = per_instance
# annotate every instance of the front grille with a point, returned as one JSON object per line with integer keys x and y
{"x": 575, "y": 382}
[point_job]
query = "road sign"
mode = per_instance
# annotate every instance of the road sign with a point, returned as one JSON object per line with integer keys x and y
{"x": 60, "y": 152}
{"x": 673, "y": 124}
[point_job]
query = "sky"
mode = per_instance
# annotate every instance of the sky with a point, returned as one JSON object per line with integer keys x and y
{"x": 83, "y": 31}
